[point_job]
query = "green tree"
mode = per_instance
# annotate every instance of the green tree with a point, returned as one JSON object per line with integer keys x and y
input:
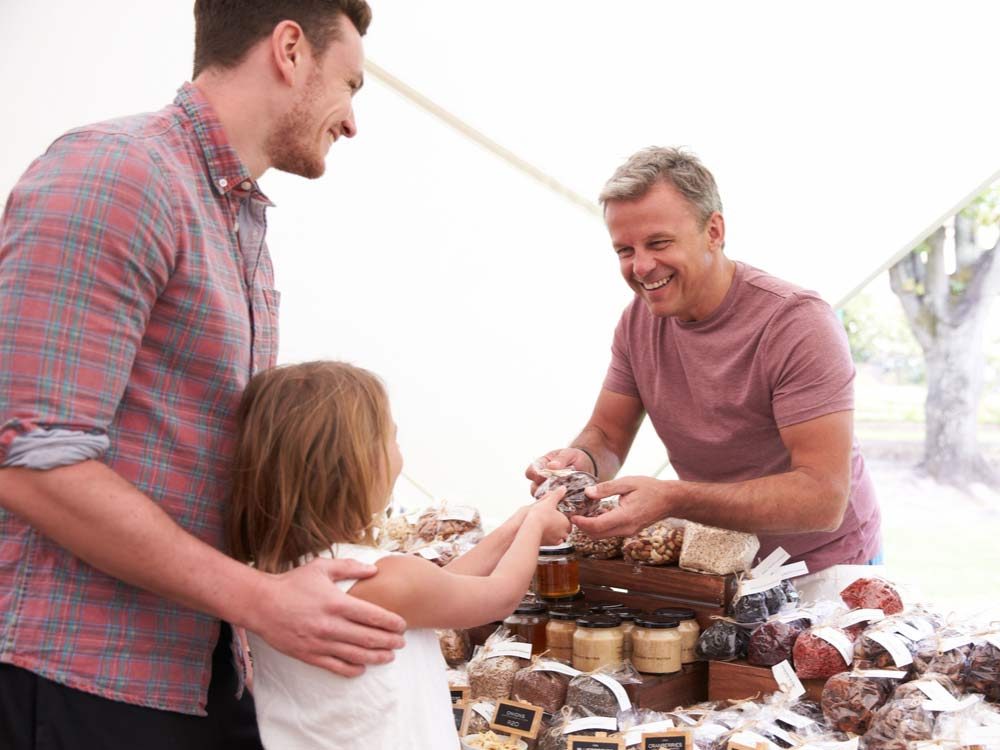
{"x": 947, "y": 313}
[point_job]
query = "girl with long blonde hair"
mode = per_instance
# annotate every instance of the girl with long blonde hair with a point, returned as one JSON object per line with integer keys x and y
{"x": 315, "y": 463}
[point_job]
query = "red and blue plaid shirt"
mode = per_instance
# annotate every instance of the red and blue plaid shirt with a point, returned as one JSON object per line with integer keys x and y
{"x": 136, "y": 301}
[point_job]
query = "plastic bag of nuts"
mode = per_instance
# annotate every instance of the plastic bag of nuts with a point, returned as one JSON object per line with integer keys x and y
{"x": 710, "y": 550}
{"x": 492, "y": 668}
{"x": 575, "y": 502}
{"x": 447, "y": 521}
{"x": 659, "y": 544}
{"x": 599, "y": 549}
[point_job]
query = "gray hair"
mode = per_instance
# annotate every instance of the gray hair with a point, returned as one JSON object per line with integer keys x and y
{"x": 683, "y": 170}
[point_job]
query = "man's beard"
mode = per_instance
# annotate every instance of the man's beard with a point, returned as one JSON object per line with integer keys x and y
{"x": 291, "y": 145}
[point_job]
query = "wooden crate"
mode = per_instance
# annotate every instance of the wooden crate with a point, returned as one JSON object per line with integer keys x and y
{"x": 737, "y": 680}
{"x": 667, "y": 692}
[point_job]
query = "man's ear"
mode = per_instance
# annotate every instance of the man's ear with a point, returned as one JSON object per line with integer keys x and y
{"x": 716, "y": 231}
{"x": 288, "y": 50}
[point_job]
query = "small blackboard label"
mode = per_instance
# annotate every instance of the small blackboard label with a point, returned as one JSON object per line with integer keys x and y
{"x": 514, "y": 717}
{"x": 461, "y": 712}
{"x": 459, "y": 694}
{"x": 600, "y": 742}
{"x": 671, "y": 739}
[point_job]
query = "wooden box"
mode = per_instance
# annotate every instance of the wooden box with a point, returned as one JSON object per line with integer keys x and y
{"x": 737, "y": 680}
{"x": 668, "y": 691}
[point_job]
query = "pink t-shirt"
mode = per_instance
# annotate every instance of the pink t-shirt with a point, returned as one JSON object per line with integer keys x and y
{"x": 717, "y": 391}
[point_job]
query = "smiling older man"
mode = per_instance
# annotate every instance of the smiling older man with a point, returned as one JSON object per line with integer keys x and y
{"x": 747, "y": 379}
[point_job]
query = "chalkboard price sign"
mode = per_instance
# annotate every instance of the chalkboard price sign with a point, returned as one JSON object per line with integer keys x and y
{"x": 515, "y": 717}
{"x": 670, "y": 739}
{"x": 600, "y": 742}
{"x": 462, "y": 712}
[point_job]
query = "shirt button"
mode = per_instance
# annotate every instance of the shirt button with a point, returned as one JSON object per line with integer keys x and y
{"x": 223, "y": 182}
{"x": 236, "y": 226}
{"x": 246, "y": 185}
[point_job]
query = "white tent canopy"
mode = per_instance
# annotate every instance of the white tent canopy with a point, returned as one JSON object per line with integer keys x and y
{"x": 839, "y": 134}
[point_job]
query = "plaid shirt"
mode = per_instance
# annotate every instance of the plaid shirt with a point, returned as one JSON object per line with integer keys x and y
{"x": 136, "y": 300}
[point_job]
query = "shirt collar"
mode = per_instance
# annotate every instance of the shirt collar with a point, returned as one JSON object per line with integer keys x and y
{"x": 225, "y": 168}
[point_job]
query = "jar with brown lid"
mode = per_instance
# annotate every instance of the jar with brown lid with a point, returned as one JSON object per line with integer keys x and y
{"x": 656, "y": 645}
{"x": 557, "y": 574}
{"x": 529, "y": 621}
{"x": 597, "y": 641}
{"x": 559, "y": 632}
{"x": 688, "y": 628}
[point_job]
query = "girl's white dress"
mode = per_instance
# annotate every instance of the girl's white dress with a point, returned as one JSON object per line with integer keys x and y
{"x": 402, "y": 704}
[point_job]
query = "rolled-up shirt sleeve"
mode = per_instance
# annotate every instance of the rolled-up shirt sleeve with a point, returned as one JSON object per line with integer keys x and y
{"x": 86, "y": 247}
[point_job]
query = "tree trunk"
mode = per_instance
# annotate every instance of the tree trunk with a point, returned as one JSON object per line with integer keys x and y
{"x": 947, "y": 314}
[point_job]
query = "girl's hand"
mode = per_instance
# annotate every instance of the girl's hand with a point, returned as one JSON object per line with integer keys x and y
{"x": 555, "y": 525}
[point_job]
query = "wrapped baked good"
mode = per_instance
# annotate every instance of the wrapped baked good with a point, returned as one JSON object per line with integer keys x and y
{"x": 456, "y": 648}
{"x": 446, "y": 522}
{"x": 658, "y": 544}
{"x": 850, "y": 700}
{"x": 601, "y": 692}
{"x": 873, "y": 593}
{"x": 544, "y": 684}
{"x": 982, "y": 670}
{"x": 897, "y": 723}
{"x": 821, "y": 652}
{"x": 711, "y": 550}
{"x": 492, "y": 668}
{"x": 600, "y": 549}
{"x": 723, "y": 640}
{"x": 575, "y": 502}
{"x": 772, "y": 642}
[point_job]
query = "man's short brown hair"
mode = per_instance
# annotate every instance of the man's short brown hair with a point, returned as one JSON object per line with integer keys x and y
{"x": 225, "y": 30}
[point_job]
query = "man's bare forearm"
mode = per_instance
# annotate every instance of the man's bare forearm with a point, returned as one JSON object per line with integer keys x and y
{"x": 104, "y": 520}
{"x": 603, "y": 452}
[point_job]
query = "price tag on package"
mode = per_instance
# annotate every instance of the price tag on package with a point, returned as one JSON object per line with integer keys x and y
{"x": 894, "y": 645}
{"x": 458, "y": 513}
{"x": 515, "y": 717}
{"x": 787, "y": 680}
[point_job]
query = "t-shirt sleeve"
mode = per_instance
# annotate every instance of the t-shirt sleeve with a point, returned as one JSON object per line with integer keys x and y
{"x": 620, "y": 377}
{"x": 809, "y": 362}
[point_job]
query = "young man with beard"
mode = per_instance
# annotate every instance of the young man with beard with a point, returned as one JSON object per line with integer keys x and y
{"x": 136, "y": 301}
{"x": 747, "y": 379}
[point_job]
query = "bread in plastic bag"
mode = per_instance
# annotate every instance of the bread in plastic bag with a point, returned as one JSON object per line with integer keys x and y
{"x": 541, "y": 687}
{"x": 720, "y": 551}
{"x": 491, "y": 677}
{"x": 657, "y": 544}
{"x": 586, "y": 693}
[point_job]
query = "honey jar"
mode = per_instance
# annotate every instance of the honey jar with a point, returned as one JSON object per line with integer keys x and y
{"x": 558, "y": 572}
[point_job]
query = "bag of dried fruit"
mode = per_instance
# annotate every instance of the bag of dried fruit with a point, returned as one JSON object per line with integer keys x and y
{"x": 825, "y": 648}
{"x": 850, "y": 699}
{"x": 658, "y": 544}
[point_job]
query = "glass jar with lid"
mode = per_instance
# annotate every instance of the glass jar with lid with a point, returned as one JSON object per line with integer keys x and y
{"x": 656, "y": 644}
{"x": 688, "y": 628}
{"x": 558, "y": 572}
{"x": 601, "y": 606}
{"x": 627, "y": 615}
{"x": 597, "y": 641}
{"x": 529, "y": 621}
{"x": 559, "y": 632}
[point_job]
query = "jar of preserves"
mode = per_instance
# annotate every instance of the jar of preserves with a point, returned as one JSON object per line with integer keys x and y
{"x": 627, "y": 615}
{"x": 561, "y": 602}
{"x": 558, "y": 572}
{"x": 688, "y": 628}
{"x": 559, "y": 632}
{"x": 597, "y": 641}
{"x": 656, "y": 644}
{"x": 529, "y": 621}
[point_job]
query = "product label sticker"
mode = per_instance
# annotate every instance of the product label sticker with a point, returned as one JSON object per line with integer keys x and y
{"x": 615, "y": 687}
{"x": 860, "y": 615}
{"x": 484, "y": 709}
{"x": 892, "y": 674}
{"x": 556, "y": 666}
{"x": 669, "y": 739}
{"x": 935, "y": 691}
{"x": 604, "y": 723}
{"x": 458, "y": 513}
{"x": 459, "y": 693}
{"x": 894, "y": 645}
{"x": 792, "y": 571}
{"x": 773, "y": 561}
{"x": 907, "y": 630}
{"x": 793, "y": 719}
{"x": 600, "y": 742}
{"x": 950, "y": 644}
{"x": 839, "y": 640}
{"x": 756, "y": 585}
{"x": 787, "y": 680}
{"x": 461, "y": 713}
{"x": 515, "y": 717}
{"x": 519, "y": 650}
